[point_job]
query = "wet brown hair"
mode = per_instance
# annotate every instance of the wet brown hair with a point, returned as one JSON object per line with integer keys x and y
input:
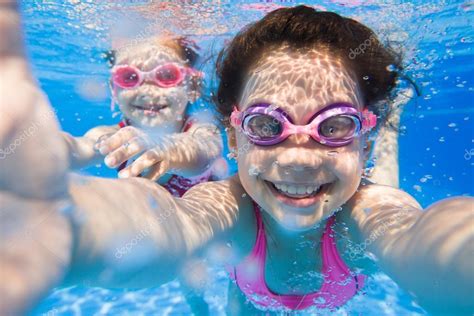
{"x": 376, "y": 69}
{"x": 186, "y": 49}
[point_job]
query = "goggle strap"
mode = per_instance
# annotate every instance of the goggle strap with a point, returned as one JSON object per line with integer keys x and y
{"x": 235, "y": 119}
{"x": 369, "y": 120}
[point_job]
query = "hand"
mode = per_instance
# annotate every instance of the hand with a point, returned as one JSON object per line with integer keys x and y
{"x": 131, "y": 142}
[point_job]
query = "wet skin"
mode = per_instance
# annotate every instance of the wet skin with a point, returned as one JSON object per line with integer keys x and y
{"x": 43, "y": 242}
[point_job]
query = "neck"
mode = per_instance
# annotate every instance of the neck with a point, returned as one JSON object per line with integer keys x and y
{"x": 292, "y": 258}
{"x": 283, "y": 240}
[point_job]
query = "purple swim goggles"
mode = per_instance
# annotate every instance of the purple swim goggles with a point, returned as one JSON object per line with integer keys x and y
{"x": 336, "y": 125}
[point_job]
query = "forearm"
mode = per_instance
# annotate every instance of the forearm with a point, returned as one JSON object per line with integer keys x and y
{"x": 110, "y": 215}
{"x": 428, "y": 253}
{"x": 437, "y": 253}
{"x": 191, "y": 153}
{"x": 132, "y": 232}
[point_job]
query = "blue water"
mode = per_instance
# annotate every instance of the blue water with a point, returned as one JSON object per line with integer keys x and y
{"x": 65, "y": 40}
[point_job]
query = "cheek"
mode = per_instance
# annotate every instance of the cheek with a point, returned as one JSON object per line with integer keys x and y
{"x": 125, "y": 96}
{"x": 348, "y": 167}
{"x": 177, "y": 99}
{"x": 249, "y": 159}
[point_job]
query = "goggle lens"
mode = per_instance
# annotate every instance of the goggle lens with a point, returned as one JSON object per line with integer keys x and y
{"x": 261, "y": 126}
{"x": 126, "y": 77}
{"x": 168, "y": 75}
{"x": 339, "y": 127}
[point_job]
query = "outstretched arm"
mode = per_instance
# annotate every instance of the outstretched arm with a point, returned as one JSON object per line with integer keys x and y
{"x": 428, "y": 252}
{"x": 133, "y": 233}
{"x": 385, "y": 151}
{"x": 53, "y": 224}
{"x": 34, "y": 238}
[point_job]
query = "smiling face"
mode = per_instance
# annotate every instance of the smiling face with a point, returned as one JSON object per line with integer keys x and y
{"x": 149, "y": 105}
{"x": 299, "y": 182}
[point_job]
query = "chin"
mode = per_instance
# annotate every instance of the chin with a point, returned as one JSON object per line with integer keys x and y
{"x": 298, "y": 223}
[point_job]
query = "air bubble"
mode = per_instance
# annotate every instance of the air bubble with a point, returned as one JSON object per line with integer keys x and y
{"x": 391, "y": 68}
{"x": 253, "y": 171}
{"x": 365, "y": 77}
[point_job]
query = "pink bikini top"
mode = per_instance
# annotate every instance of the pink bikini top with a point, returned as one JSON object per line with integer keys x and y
{"x": 339, "y": 285}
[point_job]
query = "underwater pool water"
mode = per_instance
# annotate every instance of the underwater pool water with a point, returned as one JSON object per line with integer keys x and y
{"x": 65, "y": 41}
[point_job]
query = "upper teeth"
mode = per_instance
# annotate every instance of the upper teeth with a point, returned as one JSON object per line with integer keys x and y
{"x": 297, "y": 189}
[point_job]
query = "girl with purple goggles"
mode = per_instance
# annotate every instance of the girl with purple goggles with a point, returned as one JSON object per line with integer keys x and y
{"x": 334, "y": 126}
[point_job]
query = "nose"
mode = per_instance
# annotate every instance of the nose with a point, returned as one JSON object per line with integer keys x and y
{"x": 300, "y": 159}
{"x": 300, "y": 138}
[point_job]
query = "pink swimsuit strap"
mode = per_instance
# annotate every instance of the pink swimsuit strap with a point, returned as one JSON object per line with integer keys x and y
{"x": 339, "y": 284}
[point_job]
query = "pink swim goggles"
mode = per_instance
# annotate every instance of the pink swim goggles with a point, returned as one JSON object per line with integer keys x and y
{"x": 165, "y": 76}
{"x": 336, "y": 125}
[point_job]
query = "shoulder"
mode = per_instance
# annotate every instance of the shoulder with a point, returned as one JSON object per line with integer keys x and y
{"x": 372, "y": 204}
{"x": 380, "y": 196}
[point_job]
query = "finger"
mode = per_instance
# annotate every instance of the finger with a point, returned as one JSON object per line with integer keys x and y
{"x": 145, "y": 161}
{"x": 102, "y": 139}
{"x": 156, "y": 171}
{"x": 120, "y": 138}
{"x": 125, "y": 152}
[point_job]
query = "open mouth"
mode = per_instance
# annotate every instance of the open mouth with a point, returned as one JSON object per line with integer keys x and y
{"x": 150, "y": 109}
{"x": 298, "y": 195}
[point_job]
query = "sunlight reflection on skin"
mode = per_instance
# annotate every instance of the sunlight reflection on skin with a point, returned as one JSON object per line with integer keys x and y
{"x": 301, "y": 83}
